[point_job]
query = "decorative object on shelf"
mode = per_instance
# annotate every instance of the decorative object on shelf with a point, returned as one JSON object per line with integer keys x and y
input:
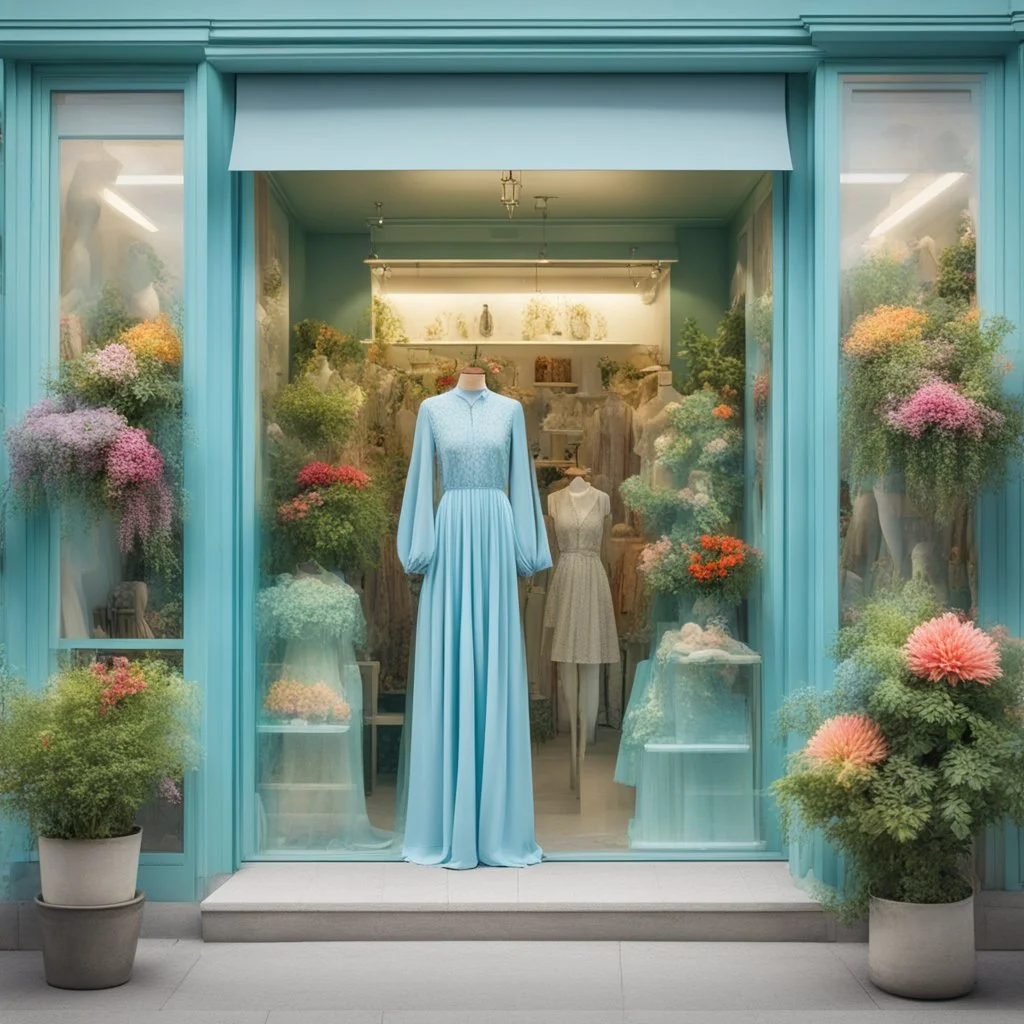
{"x": 902, "y": 771}
{"x": 461, "y": 326}
{"x": 77, "y": 762}
{"x": 437, "y": 329}
{"x": 542, "y": 370}
{"x": 599, "y": 327}
{"x": 511, "y": 186}
{"x": 579, "y": 321}
{"x": 561, "y": 370}
{"x": 539, "y": 320}
{"x": 486, "y": 323}
{"x": 289, "y": 700}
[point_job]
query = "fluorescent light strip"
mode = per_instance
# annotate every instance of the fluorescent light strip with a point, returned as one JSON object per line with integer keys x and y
{"x": 857, "y": 178}
{"x": 115, "y": 202}
{"x": 150, "y": 179}
{"x": 923, "y": 198}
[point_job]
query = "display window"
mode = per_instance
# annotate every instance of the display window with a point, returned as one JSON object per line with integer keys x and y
{"x": 620, "y": 329}
{"x": 922, "y": 419}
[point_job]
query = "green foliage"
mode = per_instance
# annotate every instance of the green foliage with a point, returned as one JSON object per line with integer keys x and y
{"x": 706, "y": 361}
{"x": 343, "y": 532}
{"x": 958, "y": 279}
{"x": 731, "y": 336}
{"x": 72, "y": 769}
{"x": 659, "y": 506}
{"x": 318, "y": 338}
{"x": 955, "y": 762}
{"x": 319, "y": 418}
{"x": 880, "y": 279}
{"x": 388, "y": 328}
{"x": 108, "y": 317}
{"x": 140, "y": 400}
{"x": 614, "y": 372}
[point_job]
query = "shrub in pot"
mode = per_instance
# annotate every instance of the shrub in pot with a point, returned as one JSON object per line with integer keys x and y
{"x": 917, "y": 749}
{"x": 78, "y": 759}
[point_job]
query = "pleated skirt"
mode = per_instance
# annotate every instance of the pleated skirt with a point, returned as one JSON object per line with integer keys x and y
{"x": 470, "y": 775}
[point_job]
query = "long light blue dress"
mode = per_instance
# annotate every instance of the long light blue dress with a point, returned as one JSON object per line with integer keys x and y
{"x": 470, "y": 778}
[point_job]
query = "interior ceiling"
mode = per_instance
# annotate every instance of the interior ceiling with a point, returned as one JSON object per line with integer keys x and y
{"x": 342, "y": 201}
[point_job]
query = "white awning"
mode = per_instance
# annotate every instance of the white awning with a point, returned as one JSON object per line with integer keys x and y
{"x": 486, "y": 122}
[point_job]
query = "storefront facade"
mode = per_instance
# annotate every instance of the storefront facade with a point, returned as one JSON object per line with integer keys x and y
{"x": 883, "y": 111}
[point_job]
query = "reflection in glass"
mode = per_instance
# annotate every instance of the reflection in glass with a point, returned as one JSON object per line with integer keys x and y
{"x": 121, "y": 252}
{"x": 909, "y": 193}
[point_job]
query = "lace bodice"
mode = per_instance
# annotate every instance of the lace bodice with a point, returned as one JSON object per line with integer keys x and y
{"x": 478, "y": 440}
{"x": 472, "y": 434}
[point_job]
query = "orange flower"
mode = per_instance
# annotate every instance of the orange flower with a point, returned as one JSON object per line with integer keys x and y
{"x": 156, "y": 338}
{"x": 875, "y": 332}
{"x": 722, "y": 412}
{"x": 847, "y": 741}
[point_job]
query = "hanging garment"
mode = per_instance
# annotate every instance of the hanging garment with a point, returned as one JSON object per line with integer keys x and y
{"x": 611, "y": 457}
{"x": 470, "y": 776}
{"x": 579, "y": 607}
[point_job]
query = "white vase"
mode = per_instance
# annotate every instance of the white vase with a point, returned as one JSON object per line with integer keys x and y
{"x": 89, "y": 872}
{"x": 922, "y": 950}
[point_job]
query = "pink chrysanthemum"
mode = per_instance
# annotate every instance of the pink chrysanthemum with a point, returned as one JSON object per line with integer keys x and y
{"x": 849, "y": 741}
{"x": 115, "y": 362}
{"x": 948, "y": 649}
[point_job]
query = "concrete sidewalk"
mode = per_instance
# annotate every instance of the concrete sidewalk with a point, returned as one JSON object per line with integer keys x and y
{"x": 179, "y": 981}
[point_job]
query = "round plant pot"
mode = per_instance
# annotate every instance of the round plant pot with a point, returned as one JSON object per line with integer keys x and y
{"x": 89, "y": 872}
{"x": 90, "y": 947}
{"x": 922, "y": 950}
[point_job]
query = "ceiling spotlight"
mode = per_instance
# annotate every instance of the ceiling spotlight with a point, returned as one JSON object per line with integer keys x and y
{"x": 380, "y": 217}
{"x": 511, "y": 185}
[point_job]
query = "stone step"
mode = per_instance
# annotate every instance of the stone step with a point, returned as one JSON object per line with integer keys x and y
{"x": 557, "y": 900}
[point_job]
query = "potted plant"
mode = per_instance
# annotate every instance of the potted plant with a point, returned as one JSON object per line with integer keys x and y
{"x": 78, "y": 760}
{"x": 917, "y": 749}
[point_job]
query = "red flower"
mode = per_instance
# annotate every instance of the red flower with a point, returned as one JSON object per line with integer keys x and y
{"x": 322, "y": 474}
{"x": 122, "y": 679}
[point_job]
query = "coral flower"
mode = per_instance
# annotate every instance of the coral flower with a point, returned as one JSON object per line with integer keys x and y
{"x": 849, "y": 741}
{"x": 948, "y": 649}
{"x": 722, "y": 412}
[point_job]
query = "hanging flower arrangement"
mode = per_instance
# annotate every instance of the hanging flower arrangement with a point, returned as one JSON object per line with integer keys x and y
{"x": 925, "y": 398}
{"x": 61, "y": 452}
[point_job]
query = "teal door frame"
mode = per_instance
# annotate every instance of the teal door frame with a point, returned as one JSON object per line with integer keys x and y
{"x": 222, "y": 410}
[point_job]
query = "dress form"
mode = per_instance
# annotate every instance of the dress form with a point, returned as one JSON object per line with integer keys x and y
{"x": 576, "y": 603}
{"x": 472, "y": 378}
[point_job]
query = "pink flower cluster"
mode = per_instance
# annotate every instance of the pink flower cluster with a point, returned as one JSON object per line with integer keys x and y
{"x": 941, "y": 405}
{"x": 653, "y": 553}
{"x": 298, "y": 508}
{"x": 322, "y": 474}
{"x": 135, "y": 476}
{"x": 116, "y": 362}
{"x": 121, "y": 680}
{"x": 169, "y": 791}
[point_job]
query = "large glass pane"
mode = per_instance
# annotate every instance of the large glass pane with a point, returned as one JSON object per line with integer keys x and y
{"x": 909, "y": 198}
{"x": 644, "y": 384}
{"x": 121, "y": 254}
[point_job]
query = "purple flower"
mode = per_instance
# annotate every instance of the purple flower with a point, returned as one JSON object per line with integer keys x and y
{"x": 115, "y": 362}
{"x": 56, "y": 445}
{"x": 941, "y": 405}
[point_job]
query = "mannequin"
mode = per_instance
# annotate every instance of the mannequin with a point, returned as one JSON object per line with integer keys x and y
{"x": 472, "y": 378}
{"x": 649, "y": 423}
{"x": 579, "y": 609}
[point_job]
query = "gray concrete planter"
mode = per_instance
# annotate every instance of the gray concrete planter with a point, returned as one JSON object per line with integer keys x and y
{"x": 922, "y": 950}
{"x": 90, "y": 947}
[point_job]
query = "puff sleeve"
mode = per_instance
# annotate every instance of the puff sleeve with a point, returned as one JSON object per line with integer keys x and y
{"x": 531, "y": 536}
{"x": 416, "y": 520}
